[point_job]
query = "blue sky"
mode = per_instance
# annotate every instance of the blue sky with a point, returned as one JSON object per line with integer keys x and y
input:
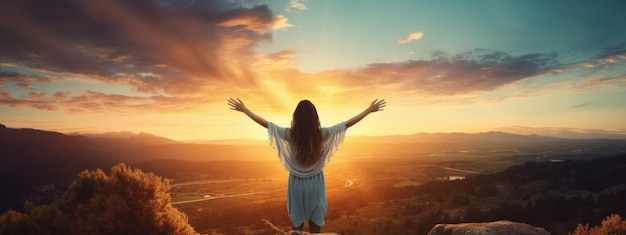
{"x": 349, "y": 34}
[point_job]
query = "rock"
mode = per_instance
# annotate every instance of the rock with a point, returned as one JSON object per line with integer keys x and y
{"x": 489, "y": 228}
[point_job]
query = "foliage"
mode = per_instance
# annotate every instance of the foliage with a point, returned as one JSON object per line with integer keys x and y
{"x": 556, "y": 196}
{"x": 128, "y": 201}
{"x": 611, "y": 225}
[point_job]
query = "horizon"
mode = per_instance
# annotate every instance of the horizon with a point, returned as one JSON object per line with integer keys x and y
{"x": 168, "y": 68}
{"x": 559, "y": 133}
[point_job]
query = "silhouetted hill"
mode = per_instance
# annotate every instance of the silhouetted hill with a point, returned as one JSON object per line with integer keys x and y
{"x": 566, "y": 133}
{"x": 35, "y": 164}
{"x": 33, "y": 161}
{"x": 130, "y": 137}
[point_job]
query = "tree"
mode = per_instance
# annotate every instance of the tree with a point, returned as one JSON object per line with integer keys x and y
{"x": 128, "y": 201}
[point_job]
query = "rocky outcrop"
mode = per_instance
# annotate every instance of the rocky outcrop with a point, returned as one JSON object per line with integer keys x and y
{"x": 489, "y": 228}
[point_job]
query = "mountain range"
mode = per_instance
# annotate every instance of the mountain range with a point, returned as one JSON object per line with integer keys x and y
{"x": 36, "y": 162}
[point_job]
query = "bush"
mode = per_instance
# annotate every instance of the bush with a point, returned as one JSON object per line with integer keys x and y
{"x": 128, "y": 201}
{"x": 611, "y": 225}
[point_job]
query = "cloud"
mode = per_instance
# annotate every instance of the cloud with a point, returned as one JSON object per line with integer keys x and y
{"x": 98, "y": 102}
{"x": 33, "y": 100}
{"x": 175, "y": 55}
{"x": 478, "y": 75}
{"x": 296, "y": 5}
{"x": 612, "y": 56}
{"x": 5, "y": 95}
{"x": 181, "y": 55}
{"x": 188, "y": 45}
{"x": 36, "y": 96}
{"x": 589, "y": 64}
{"x": 411, "y": 37}
{"x": 579, "y": 106}
{"x": 603, "y": 71}
{"x": 443, "y": 77}
{"x": 281, "y": 23}
{"x": 278, "y": 60}
{"x": 21, "y": 80}
{"x": 470, "y": 77}
{"x": 473, "y": 71}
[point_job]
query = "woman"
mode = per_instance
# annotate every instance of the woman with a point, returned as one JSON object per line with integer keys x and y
{"x": 304, "y": 150}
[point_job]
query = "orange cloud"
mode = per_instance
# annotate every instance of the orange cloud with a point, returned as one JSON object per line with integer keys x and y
{"x": 5, "y": 95}
{"x": 470, "y": 73}
{"x": 36, "y": 96}
{"x": 117, "y": 41}
{"x": 21, "y": 80}
{"x": 281, "y": 23}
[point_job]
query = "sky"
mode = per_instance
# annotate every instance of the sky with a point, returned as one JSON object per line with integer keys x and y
{"x": 169, "y": 67}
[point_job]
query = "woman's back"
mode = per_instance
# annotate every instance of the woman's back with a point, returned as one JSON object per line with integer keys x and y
{"x": 280, "y": 137}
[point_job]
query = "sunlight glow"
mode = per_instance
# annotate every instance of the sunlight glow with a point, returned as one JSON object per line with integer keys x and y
{"x": 170, "y": 73}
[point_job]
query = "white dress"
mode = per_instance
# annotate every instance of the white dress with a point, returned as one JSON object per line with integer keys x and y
{"x": 306, "y": 191}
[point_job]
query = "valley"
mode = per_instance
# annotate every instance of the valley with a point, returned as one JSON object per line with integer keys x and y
{"x": 393, "y": 184}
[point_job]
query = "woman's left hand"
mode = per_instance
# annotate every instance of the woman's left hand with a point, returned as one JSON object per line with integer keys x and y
{"x": 236, "y": 105}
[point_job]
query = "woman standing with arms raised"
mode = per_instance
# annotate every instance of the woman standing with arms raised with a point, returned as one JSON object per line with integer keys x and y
{"x": 304, "y": 149}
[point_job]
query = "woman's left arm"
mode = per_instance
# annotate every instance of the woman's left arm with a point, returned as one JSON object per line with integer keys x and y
{"x": 238, "y": 105}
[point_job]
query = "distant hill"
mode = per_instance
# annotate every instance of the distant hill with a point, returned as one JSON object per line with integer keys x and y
{"x": 33, "y": 161}
{"x": 36, "y": 163}
{"x": 456, "y": 138}
{"x": 239, "y": 141}
{"x": 566, "y": 133}
{"x": 128, "y": 136}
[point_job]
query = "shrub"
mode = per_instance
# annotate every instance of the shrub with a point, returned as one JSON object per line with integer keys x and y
{"x": 611, "y": 225}
{"x": 128, "y": 201}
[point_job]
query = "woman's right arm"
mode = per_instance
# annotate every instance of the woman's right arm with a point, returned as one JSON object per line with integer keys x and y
{"x": 238, "y": 105}
{"x": 375, "y": 106}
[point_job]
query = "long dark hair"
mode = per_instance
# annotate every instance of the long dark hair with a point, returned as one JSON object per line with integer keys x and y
{"x": 306, "y": 134}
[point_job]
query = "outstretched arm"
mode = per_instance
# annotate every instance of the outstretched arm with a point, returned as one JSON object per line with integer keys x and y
{"x": 238, "y": 105}
{"x": 375, "y": 106}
